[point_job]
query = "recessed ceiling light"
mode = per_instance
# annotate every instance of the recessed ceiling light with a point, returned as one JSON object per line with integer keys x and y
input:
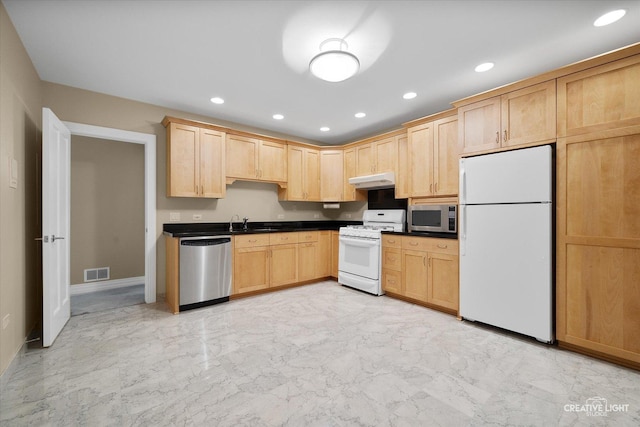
{"x": 360, "y": 115}
{"x": 409, "y": 95}
{"x": 324, "y": 129}
{"x": 609, "y": 18}
{"x": 217, "y": 100}
{"x": 486, "y": 66}
{"x": 278, "y": 116}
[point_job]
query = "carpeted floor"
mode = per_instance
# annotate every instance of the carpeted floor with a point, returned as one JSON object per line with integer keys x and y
{"x": 107, "y": 300}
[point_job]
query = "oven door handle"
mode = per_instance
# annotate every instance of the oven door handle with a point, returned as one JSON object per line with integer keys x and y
{"x": 363, "y": 243}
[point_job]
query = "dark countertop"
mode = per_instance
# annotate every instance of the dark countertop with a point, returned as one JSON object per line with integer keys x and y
{"x": 218, "y": 228}
{"x": 453, "y": 236}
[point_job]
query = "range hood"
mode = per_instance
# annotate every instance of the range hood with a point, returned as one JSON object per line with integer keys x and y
{"x": 379, "y": 180}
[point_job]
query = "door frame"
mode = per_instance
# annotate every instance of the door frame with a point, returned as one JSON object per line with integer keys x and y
{"x": 149, "y": 142}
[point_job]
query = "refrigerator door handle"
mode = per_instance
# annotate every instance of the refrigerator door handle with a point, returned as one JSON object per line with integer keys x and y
{"x": 463, "y": 183}
{"x": 463, "y": 231}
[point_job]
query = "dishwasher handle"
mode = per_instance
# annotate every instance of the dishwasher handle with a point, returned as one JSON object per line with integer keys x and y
{"x": 212, "y": 241}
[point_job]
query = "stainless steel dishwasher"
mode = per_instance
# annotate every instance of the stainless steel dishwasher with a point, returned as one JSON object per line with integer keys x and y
{"x": 205, "y": 271}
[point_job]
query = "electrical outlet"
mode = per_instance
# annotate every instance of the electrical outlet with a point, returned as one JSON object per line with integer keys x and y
{"x": 347, "y": 215}
{"x": 316, "y": 216}
{"x": 174, "y": 216}
{"x": 197, "y": 217}
{"x": 5, "y": 321}
{"x": 280, "y": 216}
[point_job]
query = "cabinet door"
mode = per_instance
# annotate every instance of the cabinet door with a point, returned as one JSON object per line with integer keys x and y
{"x": 421, "y": 162}
{"x": 391, "y": 258}
{"x": 600, "y": 98}
{"x": 479, "y": 125}
{"x": 364, "y": 160}
{"x": 312, "y": 174}
{"x": 415, "y": 274}
{"x": 183, "y": 178}
{"x": 443, "y": 280}
{"x": 295, "y": 184}
{"x": 402, "y": 174}
{"x": 445, "y": 165}
{"x": 529, "y": 115}
{"x": 242, "y": 157}
{"x": 332, "y": 172}
{"x": 307, "y": 261}
{"x": 273, "y": 161}
{"x": 284, "y": 264}
{"x": 335, "y": 246}
{"x": 349, "y": 172}
{"x": 323, "y": 264}
{"x": 385, "y": 155}
{"x": 212, "y": 160}
{"x": 250, "y": 269}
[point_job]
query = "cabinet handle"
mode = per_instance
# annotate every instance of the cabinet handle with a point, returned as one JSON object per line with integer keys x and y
{"x": 436, "y": 188}
{"x": 391, "y": 282}
{"x": 497, "y": 137}
{"x": 252, "y": 241}
{"x": 202, "y": 190}
{"x": 392, "y": 259}
{"x": 441, "y": 246}
{"x": 413, "y": 243}
{"x": 423, "y": 259}
{"x": 392, "y": 241}
{"x": 430, "y": 188}
{"x": 429, "y": 261}
{"x": 505, "y": 135}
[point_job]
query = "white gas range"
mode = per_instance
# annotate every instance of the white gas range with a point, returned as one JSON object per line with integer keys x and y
{"x": 360, "y": 254}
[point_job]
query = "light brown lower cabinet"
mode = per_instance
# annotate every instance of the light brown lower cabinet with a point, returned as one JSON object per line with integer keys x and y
{"x": 335, "y": 247}
{"x": 323, "y": 265}
{"x": 421, "y": 269}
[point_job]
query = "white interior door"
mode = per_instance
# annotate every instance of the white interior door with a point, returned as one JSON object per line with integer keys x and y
{"x": 56, "y": 159}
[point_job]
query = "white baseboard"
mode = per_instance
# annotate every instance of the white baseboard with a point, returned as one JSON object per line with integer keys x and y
{"x": 86, "y": 288}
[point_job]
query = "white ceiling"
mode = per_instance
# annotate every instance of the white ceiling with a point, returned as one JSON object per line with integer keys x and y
{"x": 255, "y": 54}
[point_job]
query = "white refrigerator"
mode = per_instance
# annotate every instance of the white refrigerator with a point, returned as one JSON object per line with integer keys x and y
{"x": 505, "y": 226}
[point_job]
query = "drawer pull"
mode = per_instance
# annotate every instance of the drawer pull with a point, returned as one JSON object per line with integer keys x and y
{"x": 253, "y": 240}
{"x": 392, "y": 259}
{"x": 391, "y": 282}
{"x": 441, "y": 246}
{"x": 413, "y": 243}
{"x": 392, "y": 241}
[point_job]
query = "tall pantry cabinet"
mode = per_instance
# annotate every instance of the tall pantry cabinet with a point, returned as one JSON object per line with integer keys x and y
{"x": 598, "y": 211}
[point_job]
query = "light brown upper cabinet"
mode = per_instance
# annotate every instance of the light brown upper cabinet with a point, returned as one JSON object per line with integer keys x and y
{"x": 195, "y": 161}
{"x": 600, "y": 98}
{"x": 522, "y": 117}
{"x": 332, "y": 175}
{"x": 255, "y": 159}
{"x": 350, "y": 192}
{"x": 402, "y": 174}
{"x": 376, "y": 157}
{"x": 433, "y": 158}
{"x": 304, "y": 174}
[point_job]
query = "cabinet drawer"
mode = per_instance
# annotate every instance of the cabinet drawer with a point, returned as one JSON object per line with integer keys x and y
{"x": 392, "y": 241}
{"x": 283, "y": 238}
{"x": 392, "y": 281}
{"x": 391, "y": 258}
{"x": 307, "y": 236}
{"x": 251, "y": 240}
{"x": 431, "y": 244}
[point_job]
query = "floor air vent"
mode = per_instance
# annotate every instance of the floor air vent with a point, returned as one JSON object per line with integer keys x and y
{"x": 95, "y": 274}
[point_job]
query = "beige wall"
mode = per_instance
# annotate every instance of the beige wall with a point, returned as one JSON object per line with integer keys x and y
{"x": 20, "y": 137}
{"x": 258, "y": 201}
{"x": 107, "y": 207}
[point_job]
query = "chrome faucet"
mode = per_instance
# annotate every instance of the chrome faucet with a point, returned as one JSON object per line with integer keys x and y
{"x": 231, "y": 221}
{"x": 244, "y": 223}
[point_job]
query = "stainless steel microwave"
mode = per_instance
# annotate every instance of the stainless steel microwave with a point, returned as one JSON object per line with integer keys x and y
{"x": 433, "y": 218}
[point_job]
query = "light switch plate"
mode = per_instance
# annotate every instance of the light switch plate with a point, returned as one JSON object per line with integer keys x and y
{"x": 174, "y": 216}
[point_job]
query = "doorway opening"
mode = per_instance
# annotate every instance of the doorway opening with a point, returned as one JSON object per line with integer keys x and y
{"x": 89, "y": 133}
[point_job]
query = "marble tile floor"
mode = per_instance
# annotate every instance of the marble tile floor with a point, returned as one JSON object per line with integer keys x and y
{"x": 107, "y": 299}
{"x": 317, "y": 355}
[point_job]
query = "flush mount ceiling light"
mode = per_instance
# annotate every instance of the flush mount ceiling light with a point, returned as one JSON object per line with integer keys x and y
{"x": 333, "y": 63}
{"x": 486, "y": 66}
{"x": 609, "y": 18}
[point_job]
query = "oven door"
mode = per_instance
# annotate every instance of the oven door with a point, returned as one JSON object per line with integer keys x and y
{"x": 359, "y": 256}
